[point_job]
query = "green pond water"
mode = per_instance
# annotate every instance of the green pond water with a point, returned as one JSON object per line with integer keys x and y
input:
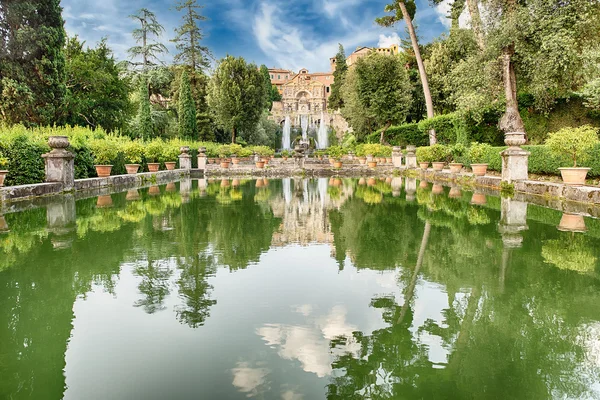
{"x": 298, "y": 289}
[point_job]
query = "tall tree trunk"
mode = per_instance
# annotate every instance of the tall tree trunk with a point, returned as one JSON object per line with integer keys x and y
{"x": 144, "y": 44}
{"x": 385, "y": 128}
{"x": 422, "y": 73}
{"x": 410, "y": 291}
{"x": 476, "y": 25}
{"x": 233, "y": 135}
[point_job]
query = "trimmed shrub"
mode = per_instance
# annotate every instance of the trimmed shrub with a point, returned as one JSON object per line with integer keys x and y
{"x": 445, "y": 127}
{"x": 401, "y": 135}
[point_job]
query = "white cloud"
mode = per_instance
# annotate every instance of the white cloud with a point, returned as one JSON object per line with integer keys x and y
{"x": 443, "y": 11}
{"x": 250, "y": 380}
{"x": 388, "y": 40}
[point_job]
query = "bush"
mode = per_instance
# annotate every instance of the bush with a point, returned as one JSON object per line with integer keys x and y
{"x": 336, "y": 152}
{"x": 105, "y": 151}
{"x": 574, "y": 142}
{"x": 424, "y": 154}
{"x": 264, "y": 151}
{"x": 401, "y": 135}
{"x": 478, "y": 152}
{"x": 445, "y": 126}
{"x": 133, "y": 152}
{"x": 440, "y": 153}
{"x": 154, "y": 150}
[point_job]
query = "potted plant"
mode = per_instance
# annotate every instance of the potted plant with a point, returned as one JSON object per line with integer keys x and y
{"x": 386, "y": 151}
{"x": 285, "y": 154}
{"x": 264, "y": 152}
{"x": 477, "y": 156}
{"x": 457, "y": 151}
{"x": 3, "y": 169}
{"x": 224, "y": 152}
{"x": 153, "y": 153}
{"x": 133, "y": 151}
{"x": 336, "y": 153}
{"x": 371, "y": 151}
{"x": 572, "y": 223}
{"x": 576, "y": 143}
{"x": 360, "y": 153}
{"x": 439, "y": 156}
{"x": 424, "y": 156}
{"x": 104, "y": 152}
{"x": 170, "y": 152}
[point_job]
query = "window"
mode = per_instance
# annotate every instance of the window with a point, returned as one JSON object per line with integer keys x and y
{"x": 278, "y": 76}
{"x": 271, "y": 76}
{"x": 327, "y": 89}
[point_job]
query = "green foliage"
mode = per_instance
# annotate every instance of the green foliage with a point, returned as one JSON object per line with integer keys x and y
{"x": 286, "y": 153}
{"x": 133, "y": 151}
{"x": 148, "y": 48}
{"x": 402, "y": 135}
{"x": 336, "y": 99}
{"x": 440, "y": 153}
{"x": 104, "y": 150}
{"x": 424, "y": 154}
{"x": 573, "y": 253}
{"x": 236, "y": 95}
{"x": 268, "y": 87}
{"x": 187, "y": 109}
{"x": 263, "y": 150}
{"x": 145, "y": 129}
{"x": 477, "y": 152}
{"x": 189, "y": 37}
{"x": 445, "y": 127}
{"x": 3, "y": 162}
{"x": 575, "y": 142}
{"x": 336, "y": 152}
{"x": 96, "y": 94}
{"x": 32, "y": 62}
{"x": 154, "y": 150}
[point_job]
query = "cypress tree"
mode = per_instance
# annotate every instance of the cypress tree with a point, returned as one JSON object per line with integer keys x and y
{"x": 187, "y": 109}
{"x": 336, "y": 101}
{"x": 32, "y": 63}
{"x": 144, "y": 116}
{"x": 268, "y": 87}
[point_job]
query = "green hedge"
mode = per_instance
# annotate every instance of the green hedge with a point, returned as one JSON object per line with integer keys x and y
{"x": 401, "y": 135}
{"x": 24, "y": 149}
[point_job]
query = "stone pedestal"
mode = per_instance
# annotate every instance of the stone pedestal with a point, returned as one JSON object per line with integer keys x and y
{"x": 411, "y": 157}
{"x": 410, "y": 185}
{"x": 185, "y": 160}
{"x": 515, "y": 160}
{"x": 396, "y": 186}
{"x": 299, "y": 157}
{"x": 513, "y": 220}
{"x": 202, "y": 185}
{"x": 59, "y": 162}
{"x": 397, "y": 156}
{"x": 185, "y": 189}
{"x": 202, "y": 158}
{"x": 61, "y": 220}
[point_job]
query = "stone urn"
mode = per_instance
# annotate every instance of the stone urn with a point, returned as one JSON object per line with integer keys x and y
{"x": 574, "y": 176}
{"x": 153, "y": 167}
{"x": 572, "y": 223}
{"x": 479, "y": 169}
{"x": 170, "y": 165}
{"x": 423, "y": 165}
{"x": 455, "y": 168}
{"x": 103, "y": 171}
{"x": 132, "y": 169}
{"x": 438, "y": 166}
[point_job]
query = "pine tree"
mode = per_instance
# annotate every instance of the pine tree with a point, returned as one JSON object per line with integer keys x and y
{"x": 189, "y": 36}
{"x": 336, "y": 101}
{"x": 147, "y": 48}
{"x": 32, "y": 63}
{"x": 187, "y": 109}
{"x": 144, "y": 117}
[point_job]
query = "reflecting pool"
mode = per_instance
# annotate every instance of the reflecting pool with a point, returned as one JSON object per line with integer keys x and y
{"x": 299, "y": 289}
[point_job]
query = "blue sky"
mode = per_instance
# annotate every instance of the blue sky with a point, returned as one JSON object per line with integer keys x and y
{"x": 281, "y": 33}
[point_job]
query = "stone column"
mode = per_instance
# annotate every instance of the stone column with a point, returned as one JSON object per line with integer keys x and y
{"x": 185, "y": 189}
{"x": 396, "y": 186}
{"x": 515, "y": 160}
{"x": 60, "y": 217}
{"x": 202, "y": 187}
{"x": 59, "y": 162}
{"x": 513, "y": 220}
{"x": 202, "y": 158}
{"x": 410, "y": 185}
{"x": 299, "y": 156}
{"x": 185, "y": 160}
{"x": 397, "y": 156}
{"x": 411, "y": 157}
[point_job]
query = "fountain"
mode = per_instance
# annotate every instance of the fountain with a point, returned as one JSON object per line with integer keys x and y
{"x": 287, "y": 129}
{"x": 304, "y": 126}
{"x": 322, "y": 138}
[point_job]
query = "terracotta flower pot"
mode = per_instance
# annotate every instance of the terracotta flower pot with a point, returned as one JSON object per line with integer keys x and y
{"x": 362, "y": 160}
{"x": 573, "y": 176}
{"x": 259, "y": 183}
{"x": 478, "y": 199}
{"x": 3, "y": 225}
{"x": 437, "y": 189}
{"x": 337, "y": 164}
{"x": 331, "y": 161}
{"x": 388, "y": 160}
{"x": 423, "y": 165}
{"x": 154, "y": 191}
{"x": 455, "y": 168}
{"x": 572, "y": 223}
{"x": 362, "y": 181}
{"x": 132, "y": 169}
{"x": 153, "y": 167}
{"x": 171, "y": 187}
{"x": 235, "y": 183}
{"x": 2, "y": 177}
{"x": 224, "y": 164}
{"x": 372, "y": 164}
{"x": 337, "y": 182}
{"x": 170, "y": 165}
{"x": 103, "y": 170}
{"x": 284, "y": 158}
{"x": 479, "y": 169}
{"x": 265, "y": 160}
{"x": 235, "y": 161}
{"x": 211, "y": 160}
{"x": 455, "y": 192}
{"x": 423, "y": 184}
{"x": 132, "y": 195}
{"x": 104, "y": 201}
{"x": 260, "y": 164}
{"x": 438, "y": 166}
{"x": 371, "y": 182}
{"x": 224, "y": 183}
